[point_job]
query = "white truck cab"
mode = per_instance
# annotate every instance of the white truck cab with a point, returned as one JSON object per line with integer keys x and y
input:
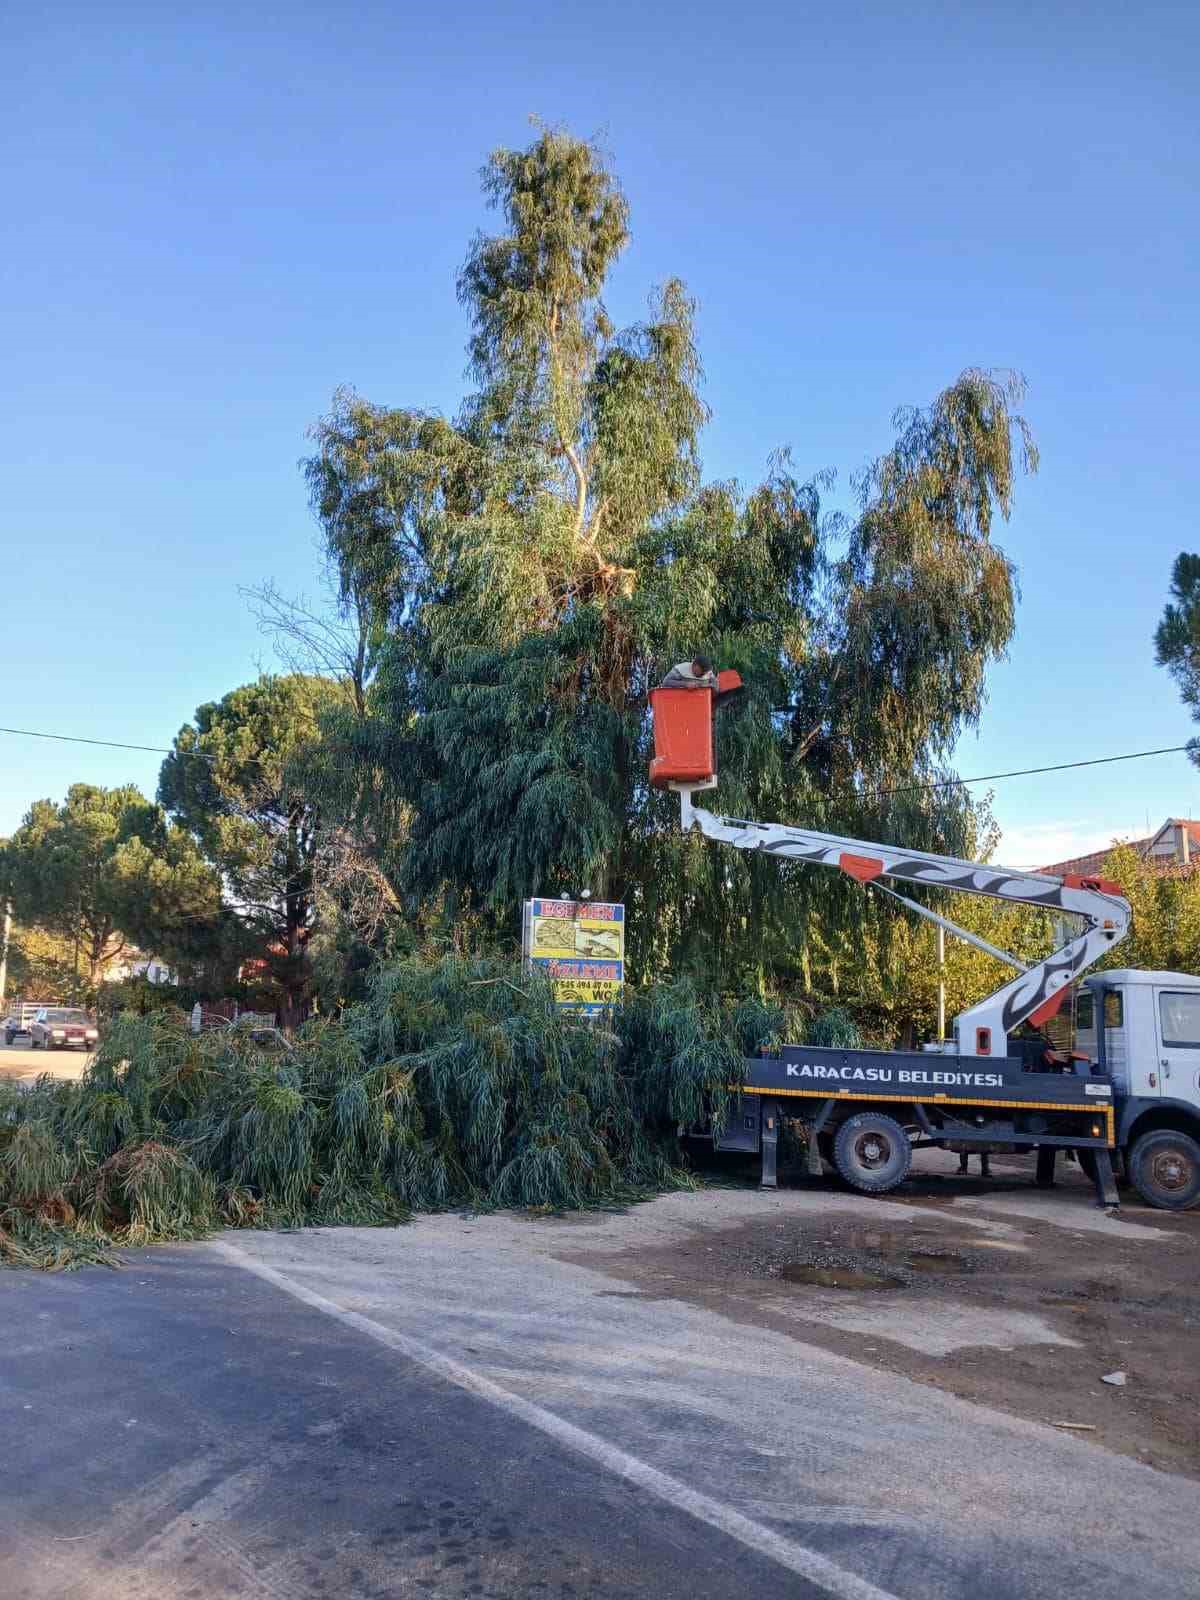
{"x": 1143, "y": 1028}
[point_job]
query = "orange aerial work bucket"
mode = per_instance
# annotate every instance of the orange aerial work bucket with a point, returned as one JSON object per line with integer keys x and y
{"x": 683, "y": 732}
{"x": 683, "y": 736}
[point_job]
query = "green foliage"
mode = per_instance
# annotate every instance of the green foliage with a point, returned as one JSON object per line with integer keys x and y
{"x": 41, "y": 964}
{"x": 532, "y": 568}
{"x": 510, "y": 585}
{"x": 106, "y": 868}
{"x": 514, "y": 782}
{"x": 149, "y": 1191}
{"x": 225, "y": 782}
{"x": 924, "y": 600}
{"x": 379, "y": 484}
{"x": 890, "y": 985}
{"x": 1165, "y": 900}
{"x": 1177, "y": 637}
{"x": 456, "y": 1082}
{"x": 836, "y": 1029}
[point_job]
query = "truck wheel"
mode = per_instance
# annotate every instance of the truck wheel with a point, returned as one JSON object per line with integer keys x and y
{"x": 872, "y": 1152}
{"x": 1164, "y": 1167}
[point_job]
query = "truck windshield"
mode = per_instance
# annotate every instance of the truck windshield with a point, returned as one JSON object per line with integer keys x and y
{"x": 59, "y": 1014}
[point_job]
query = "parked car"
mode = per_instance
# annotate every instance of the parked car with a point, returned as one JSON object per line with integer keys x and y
{"x": 21, "y": 1019}
{"x": 62, "y": 1028}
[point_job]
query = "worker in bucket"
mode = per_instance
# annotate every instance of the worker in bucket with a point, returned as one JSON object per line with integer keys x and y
{"x": 694, "y": 674}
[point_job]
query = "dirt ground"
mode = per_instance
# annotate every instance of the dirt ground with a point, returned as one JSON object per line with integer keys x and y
{"x": 1000, "y": 1293}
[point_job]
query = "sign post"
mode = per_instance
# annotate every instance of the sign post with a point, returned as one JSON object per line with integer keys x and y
{"x": 580, "y": 945}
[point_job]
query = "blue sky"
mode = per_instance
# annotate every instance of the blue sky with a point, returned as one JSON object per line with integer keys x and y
{"x": 216, "y": 214}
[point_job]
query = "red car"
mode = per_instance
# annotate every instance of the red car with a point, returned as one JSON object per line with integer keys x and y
{"x": 62, "y": 1028}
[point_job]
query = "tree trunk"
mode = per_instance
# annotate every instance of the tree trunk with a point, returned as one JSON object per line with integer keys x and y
{"x": 295, "y": 1003}
{"x": 100, "y": 951}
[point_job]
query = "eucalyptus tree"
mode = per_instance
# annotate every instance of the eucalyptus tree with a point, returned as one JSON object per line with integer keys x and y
{"x": 1177, "y": 637}
{"x": 538, "y": 563}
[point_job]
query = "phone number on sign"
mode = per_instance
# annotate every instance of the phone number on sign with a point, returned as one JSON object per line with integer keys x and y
{"x": 574, "y": 992}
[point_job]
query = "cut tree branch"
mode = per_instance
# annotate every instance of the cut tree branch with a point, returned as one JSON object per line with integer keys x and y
{"x": 581, "y": 485}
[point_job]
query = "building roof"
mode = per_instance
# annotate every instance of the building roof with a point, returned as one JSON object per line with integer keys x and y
{"x": 1088, "y": 866}
{"x": 1094, "y": 863}
{"x": 1191, "y": 826}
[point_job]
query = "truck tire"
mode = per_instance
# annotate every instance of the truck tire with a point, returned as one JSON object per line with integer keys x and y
{"x": 1164, "y": 1167}
{"x": 872, "y": 1153}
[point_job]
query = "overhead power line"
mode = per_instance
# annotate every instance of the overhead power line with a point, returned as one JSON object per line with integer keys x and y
{"x": 1028, "y": 772}
{"x": 108, "y": 744}
{"x": 908, "y": 788}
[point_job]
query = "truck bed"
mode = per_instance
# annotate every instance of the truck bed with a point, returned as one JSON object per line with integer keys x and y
{"x": 951, "y": 1101}
{"x": 817, "y": 1073}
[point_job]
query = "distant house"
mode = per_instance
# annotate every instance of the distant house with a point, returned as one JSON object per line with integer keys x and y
{"x": 1174, "y": 848}
{"x": 134, "y": 964}
{"x": 258, "y": 969}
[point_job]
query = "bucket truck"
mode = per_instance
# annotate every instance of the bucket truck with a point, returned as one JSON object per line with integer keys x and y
{"x": 1131, "y": 1090}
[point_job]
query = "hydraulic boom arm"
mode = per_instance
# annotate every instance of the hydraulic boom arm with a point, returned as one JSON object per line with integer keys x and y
{"x": 982, "y": 1029}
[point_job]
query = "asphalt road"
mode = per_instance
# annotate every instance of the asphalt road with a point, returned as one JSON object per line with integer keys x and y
{"x": 470, "y": 1406}
{"x": 184, "y": 1429}
{"x": 18, "y": 1060}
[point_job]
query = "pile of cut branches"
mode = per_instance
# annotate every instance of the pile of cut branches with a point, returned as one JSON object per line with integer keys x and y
{"x": 457, "y": 1082}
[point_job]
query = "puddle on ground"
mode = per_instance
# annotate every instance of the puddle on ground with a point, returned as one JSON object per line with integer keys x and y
{"x": 1077, "y": 1297}
{"x": 937, "y": 1262}
{"x": 838, "y": 1277}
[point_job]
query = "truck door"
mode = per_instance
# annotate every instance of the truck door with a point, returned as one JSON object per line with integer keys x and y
{"x": 1178, "y": 1017}
{"x": 1121, "y": 1012}
{"x": 1085, "y": 1024}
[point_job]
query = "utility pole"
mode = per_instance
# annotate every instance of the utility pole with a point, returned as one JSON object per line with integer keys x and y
{"x": 941, "y": 961}
{"x": 4, "y": 938}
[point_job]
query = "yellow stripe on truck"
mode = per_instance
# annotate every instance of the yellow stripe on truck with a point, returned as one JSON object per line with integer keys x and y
{"x": 937, "y": 1099}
